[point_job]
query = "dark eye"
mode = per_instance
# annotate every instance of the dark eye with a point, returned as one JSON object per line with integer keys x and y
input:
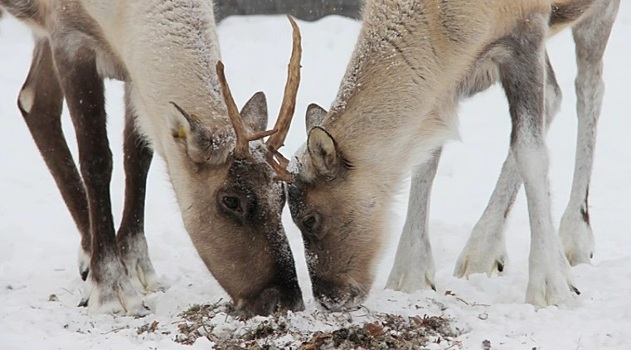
{"x": 231, "y": 203}
{"x": 309, "y": 222}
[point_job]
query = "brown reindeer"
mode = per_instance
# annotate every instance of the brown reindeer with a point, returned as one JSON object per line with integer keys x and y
{"x": 414, "y": 61}
{"x": 227, "y": 186}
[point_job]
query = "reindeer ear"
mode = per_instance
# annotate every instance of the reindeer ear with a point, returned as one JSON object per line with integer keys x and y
{"x": 254, "y": 113}
{"x": 193, "y": 136}
{"x": 323, "y": 152}
{"x": 315, "y": 115}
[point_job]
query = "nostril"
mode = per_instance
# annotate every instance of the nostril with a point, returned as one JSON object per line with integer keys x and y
{"x": 269, "y": 301}
{"x": 336, "y": 296}
{"x": 299, "y": 306}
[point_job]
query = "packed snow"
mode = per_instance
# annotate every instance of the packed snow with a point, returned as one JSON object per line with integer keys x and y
{"x": 40, "y": 286}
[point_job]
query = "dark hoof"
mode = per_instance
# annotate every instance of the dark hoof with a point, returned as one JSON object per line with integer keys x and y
{"x": 84, "y": 274}
{"x": 84, "y": 302}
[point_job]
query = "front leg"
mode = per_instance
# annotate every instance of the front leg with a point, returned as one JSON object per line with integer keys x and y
{"x": 523, "y": 79}
{"x": 414, "y": 264}
{"x": 485, "y": 250}
{"x": 112, "y": 291}
{"x": 131, "y": 236}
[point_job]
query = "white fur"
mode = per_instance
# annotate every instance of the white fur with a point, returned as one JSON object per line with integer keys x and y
{"x": 414, "y": 263}
{"x": 550, "y": 280}
{"x": 84, "y": 261}
{"x": 26, "y": 99}
{"x": 139, "y": 266}
{"x": 576, "y": 234}
{"x": 123, "y": 299}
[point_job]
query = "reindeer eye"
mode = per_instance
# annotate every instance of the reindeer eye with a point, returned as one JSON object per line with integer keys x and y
{"x": 309, "y": 222}
{"x": 231, "y": 203}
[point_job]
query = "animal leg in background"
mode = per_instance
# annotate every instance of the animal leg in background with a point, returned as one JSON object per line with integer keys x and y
{"x": 40, "y": 102}
{"x": 131, "y": 233}
{"x": 590, "y": 36}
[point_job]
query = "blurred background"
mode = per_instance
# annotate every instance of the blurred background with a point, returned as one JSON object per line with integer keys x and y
{"x": 308, "y": 10}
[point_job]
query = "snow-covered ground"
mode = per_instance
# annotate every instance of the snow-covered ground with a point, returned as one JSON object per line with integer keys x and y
{"x": 38, "y": 240}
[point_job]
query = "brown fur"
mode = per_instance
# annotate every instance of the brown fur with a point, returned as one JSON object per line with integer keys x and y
{"x": 231, "y": 207}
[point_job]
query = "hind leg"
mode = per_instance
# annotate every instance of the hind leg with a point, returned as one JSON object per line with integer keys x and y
{"x": 131, "y": 237}
{"x": 590, "y": 37}
{"x": 40, "y": 102}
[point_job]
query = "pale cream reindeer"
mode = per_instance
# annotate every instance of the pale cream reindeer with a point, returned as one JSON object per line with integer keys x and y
{"x": 414, "y": 61}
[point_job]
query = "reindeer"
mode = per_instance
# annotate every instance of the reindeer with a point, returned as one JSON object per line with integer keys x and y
{"x": 178, "y": 104}
{"x": 396, "y": 106}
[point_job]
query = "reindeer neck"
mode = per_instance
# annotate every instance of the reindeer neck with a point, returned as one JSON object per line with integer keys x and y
{"x": 171, "y": 50}
{"x": 407, "y": 61}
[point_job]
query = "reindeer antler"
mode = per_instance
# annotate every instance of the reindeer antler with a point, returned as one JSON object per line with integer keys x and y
{"x": 279, "y": 133}
{"x": 241, "y": 149}
{"x": 287, "y": 108}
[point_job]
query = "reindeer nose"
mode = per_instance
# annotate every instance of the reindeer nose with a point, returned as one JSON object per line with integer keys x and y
{"x": 292, "y": 298}
{"x": 294, "y": 302}
{"x": 335, "y": 296}
{"x": 271, "y": 300}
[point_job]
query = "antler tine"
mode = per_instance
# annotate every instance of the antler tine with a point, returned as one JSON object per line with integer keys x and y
{"x": 291, "y": 90}
{"x": 279, "y": 167}
{"x": 241, "y": 149}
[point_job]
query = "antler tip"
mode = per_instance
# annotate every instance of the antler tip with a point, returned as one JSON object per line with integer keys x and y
{"x": 219, "y": 67}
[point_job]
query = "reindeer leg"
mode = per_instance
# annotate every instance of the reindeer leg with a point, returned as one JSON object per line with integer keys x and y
{"x": 112, "y": 291}
{"x": 485, "y": 250}
{"x": 414, "y": 264}
{"x": 523, "y": 79}
{"x": 40, "y": 103}
{"x": 131, "y": 238}
{"x": 590, "y": 37}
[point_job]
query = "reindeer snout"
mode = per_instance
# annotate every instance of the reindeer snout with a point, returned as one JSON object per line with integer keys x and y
{"x": 269, "y": 301}
{"x": 336, "y": 296}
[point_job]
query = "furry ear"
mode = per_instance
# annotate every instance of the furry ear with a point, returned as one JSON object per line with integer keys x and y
{"x": 254, "y": 113}
{"x": 315, "y": 115}
{"x": 323, "y": 153}
{"x": 195, "y": 138}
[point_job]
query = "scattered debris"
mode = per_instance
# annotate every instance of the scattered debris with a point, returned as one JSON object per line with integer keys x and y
{"x": 486, "y": 344}
{"x": 53, "y": 297}
{"x": 296, "y": 331}
{"x": 148, "y": 327}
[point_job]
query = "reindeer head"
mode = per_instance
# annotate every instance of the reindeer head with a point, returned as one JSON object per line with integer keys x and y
{"x": 228, "y": 186}
{"x": 339, "y": 214}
